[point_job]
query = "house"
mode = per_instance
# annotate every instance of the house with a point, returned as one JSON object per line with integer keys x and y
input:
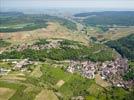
{"x": 4, "y": 71}
{"x": 89, "y": 74}
{"x": 22, "y": 64}
{"x": 85, "y": 68}
{"x": 14, "y": 62}
{"x": 109, "y": 70}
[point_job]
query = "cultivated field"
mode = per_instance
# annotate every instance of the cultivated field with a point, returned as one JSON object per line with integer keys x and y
{"x": 6, "y": 93}
{"x": 111, "y": 34}
{"x": 54, "y": 30}
{"x": 46, "y": 95}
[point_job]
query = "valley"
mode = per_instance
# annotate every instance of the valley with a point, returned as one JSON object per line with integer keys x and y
{"x": 44, "y": 57}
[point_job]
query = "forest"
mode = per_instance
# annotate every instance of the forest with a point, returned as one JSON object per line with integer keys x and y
{"x": 120, "y": 18}
{"x": 4, "y": 43}
{"x": 68, "y": 50}
{"x": 124, "y": 46}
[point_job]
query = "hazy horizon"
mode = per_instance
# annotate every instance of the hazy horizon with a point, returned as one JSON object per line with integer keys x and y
{"x": 43, "y": 4}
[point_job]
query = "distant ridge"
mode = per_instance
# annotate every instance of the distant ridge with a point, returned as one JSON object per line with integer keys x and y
{"x": 11, "y": 13}
{"x": 110, "y": 18}
{"x": 106, "y": 13}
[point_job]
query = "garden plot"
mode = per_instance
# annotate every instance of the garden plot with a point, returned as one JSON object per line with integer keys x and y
{"x": 46, "y": 95}
{"x": 36, "y": 72}
{"x": 6, "y": 93}
{"x": 60, "y": 83}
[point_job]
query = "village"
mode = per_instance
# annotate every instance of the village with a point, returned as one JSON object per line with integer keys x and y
{"x": 18, "y": 65}
{"x": 110, "y": 71}
{"x": 36, "y": 46}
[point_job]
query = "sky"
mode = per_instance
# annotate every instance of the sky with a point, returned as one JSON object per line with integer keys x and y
{"x": 118, "y": 4}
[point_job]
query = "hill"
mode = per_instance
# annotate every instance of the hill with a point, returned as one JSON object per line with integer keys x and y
{"x": 121, "y": 18}
{"x": 46, "y": 57}
{"x": 13, "y": 22}
{"x": 124, "y": 46}
{"x": 59, "y": 49}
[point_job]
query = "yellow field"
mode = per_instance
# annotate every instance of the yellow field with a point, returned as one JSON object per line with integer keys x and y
{"x": 36, "y": 72}
{"x": 14, "y": 77}
{"x": 60, "y": 83}
{"x": 54, "y": 30}
{"x": 112, "y": 34}
{"x": 6, "y": 93}
{"x": 119, "y": 33}
{"x": 100, "y": 81}
{"x": 46, "y": 95}
{"x": 95, "y": 89}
